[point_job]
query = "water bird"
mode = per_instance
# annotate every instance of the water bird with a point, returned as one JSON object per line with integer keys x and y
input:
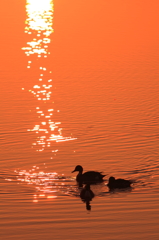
{"x": 88, "y": 177}
{"x": 118, "y": 183}
{"x": 87, "y": 195}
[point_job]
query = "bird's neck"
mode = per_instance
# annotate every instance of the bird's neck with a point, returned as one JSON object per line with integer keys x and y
{"x": 79, "y": 177}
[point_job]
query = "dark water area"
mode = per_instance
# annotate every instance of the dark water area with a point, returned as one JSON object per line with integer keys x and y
{"x": 79, "y": 85}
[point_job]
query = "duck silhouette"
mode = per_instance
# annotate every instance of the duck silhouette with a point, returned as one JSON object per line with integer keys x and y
{"x": 87, "y": 195}
{"x": 88, "y": 177}
{"x": 118, "y": 183}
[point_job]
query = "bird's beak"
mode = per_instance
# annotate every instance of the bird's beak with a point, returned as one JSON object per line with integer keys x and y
{"x": 73, "y": 171}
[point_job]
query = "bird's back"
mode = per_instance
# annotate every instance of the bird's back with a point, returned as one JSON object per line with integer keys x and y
{"x": 92, "y": 176}
{"x": 119, "y": 183}
{"x": 123, "y": 183}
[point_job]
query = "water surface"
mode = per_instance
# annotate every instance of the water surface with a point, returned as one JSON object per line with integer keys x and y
{"x": 79, "y": 85}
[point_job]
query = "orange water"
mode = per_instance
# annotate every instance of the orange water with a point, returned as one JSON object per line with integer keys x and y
{"x": 79, "y": 85}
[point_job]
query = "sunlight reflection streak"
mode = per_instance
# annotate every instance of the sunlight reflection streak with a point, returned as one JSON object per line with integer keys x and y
{"x": 39, "y": 27}
{"x": 47, "y": 184}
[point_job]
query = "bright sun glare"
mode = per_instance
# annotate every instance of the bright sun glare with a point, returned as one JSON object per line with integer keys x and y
{"x": 39, "y": 5}
{"x": 39, "y": 27}
{"x": 40, "y": 14}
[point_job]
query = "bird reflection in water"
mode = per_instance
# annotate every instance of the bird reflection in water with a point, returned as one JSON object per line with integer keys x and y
{"x": 87, "y": 195}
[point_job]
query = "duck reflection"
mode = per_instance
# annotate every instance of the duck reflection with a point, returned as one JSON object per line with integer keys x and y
{"x": 87, "y": 195}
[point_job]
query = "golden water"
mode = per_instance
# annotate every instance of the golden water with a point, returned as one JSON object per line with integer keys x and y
{"x": 79, "y": 85}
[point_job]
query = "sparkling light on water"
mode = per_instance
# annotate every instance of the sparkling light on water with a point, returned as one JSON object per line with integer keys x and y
{"x": 47, "y": 184}
{"x": 39, "y": 27}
